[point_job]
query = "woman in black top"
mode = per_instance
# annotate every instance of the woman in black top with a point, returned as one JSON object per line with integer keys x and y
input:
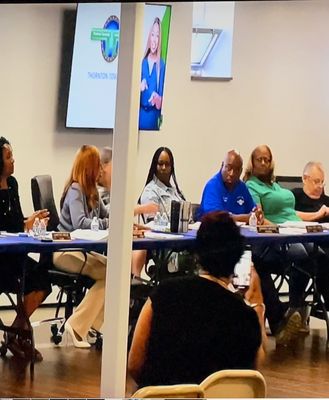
{"x": 192, "y": 327}
{"x": 37, "y": 286}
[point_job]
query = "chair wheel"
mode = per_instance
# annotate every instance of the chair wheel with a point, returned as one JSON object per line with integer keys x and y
{"x": 54, "y": 329}
{"x": 56, "y": 339}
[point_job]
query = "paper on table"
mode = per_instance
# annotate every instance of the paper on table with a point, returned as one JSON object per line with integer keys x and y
{"x": 161, "y": 235}
{"x": 292, "y": 231}
{"x": 88, "y": 234}
{"x": 195, "y": 225}
{"x": 297, "y": 224}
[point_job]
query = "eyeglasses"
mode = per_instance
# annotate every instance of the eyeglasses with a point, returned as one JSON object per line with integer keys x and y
{"x": 263, "y": 159}
{"x": 316, "y": 181}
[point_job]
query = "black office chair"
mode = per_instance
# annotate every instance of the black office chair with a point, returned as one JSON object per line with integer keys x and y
{"x": 289, "y": 182}
{"x": 72, "y": 284}
{"x": 10, "y": 288}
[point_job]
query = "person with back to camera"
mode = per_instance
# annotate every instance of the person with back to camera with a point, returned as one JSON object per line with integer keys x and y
{"x": 226, "y": 192}
{"x": 37, "y": 284}
{"x": 277, "y": 205}
{"x": 153, "y": 73}
{"x": 161, "y": 188}
{"x": 80, "y": 203}
{"x": 193, "y": 326}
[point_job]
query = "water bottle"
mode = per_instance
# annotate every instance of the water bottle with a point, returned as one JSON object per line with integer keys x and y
{"x": 164, "y": 222}
{"x": 42, "y": 228}
{"x": 36, "y": 227}
{"x": 253, "y": 220}
{"x": 94, "y": 224}
{"x": 156, "y": 221}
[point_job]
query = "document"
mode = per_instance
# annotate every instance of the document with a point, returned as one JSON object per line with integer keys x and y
{"x": 162, "y": 235}
{"x": 297, "y": 224}
{"x": 292, "y": 231}
{"x": 88, "y": 234}
{"x": 194, "y": 226}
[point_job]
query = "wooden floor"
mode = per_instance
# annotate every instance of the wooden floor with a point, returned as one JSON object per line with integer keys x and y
{"x": 67, "y": 372}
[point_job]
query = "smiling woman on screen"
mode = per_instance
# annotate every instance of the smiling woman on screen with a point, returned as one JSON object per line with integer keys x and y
{"x": 153, "y": 72}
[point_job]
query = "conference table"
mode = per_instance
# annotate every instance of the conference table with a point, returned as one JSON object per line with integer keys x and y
{"x": 161, "y": 246}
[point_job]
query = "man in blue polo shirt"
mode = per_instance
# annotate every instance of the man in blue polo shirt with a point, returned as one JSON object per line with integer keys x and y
{"x": 226, "y": 192}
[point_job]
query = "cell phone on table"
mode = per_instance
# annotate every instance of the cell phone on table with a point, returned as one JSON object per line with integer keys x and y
{"x": 242, "y": 270}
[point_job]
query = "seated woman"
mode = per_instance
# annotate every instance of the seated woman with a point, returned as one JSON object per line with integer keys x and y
{"x": 277, "y": 205}
{"x": 80, "y": 202}
{"x": 160, "y": 188}
{"x": 37, "y": 285}
{"x": 193, "y": 326}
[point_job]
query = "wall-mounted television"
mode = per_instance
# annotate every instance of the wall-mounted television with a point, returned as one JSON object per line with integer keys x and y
{"x": 93, "y": 82}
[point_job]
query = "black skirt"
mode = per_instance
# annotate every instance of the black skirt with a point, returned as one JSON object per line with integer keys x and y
{"x": 11, "y": 268}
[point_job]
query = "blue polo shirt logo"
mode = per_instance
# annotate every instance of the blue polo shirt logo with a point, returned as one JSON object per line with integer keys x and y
{"x": 240, "y": 201}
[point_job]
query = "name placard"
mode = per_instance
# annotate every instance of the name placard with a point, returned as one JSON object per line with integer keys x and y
{"x": 61, "y": 236}
{"x": 268, "y": 229}
{"x": 314, "y": 228}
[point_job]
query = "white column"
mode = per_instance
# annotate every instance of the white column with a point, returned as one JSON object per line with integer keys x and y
{"x": 123, "y": 199}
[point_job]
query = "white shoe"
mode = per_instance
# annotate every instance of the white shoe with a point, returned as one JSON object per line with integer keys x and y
{"x": 77, "y": 343}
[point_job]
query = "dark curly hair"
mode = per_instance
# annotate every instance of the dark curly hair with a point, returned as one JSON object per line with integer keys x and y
{"x": 219, "y": 244}
{"x": 3, "y": 141}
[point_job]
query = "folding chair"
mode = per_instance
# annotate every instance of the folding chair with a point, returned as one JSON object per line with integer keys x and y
{"x": 234, "y": 383}
{"x": 169, "y": 391}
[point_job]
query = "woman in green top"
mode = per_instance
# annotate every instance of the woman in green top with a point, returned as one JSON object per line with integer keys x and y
{"x": 278, "y": 205}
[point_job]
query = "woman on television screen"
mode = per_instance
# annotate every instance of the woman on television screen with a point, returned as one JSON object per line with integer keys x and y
{"x": 152, "y": 81}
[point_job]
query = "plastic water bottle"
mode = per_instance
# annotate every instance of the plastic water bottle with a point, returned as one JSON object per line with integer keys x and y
{"x": 253, "y": 220}
{"x": 157, "y": 221}
{"x": 164, "y": 222}
{"x": 94, "y": 224}
{"x": 36, "y": 227}
{"x": 42, "y": 228}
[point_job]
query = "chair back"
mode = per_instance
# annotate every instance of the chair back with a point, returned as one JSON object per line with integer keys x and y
{"x": 234, "y": 383}
{"x": 188, "y": 391}
{"x": 43, "y": 197}
{"x": 289, "y": 182}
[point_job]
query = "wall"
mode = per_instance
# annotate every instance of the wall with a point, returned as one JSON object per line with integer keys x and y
{"x": 34, "y": 75}
{"x": 279, "y": 94}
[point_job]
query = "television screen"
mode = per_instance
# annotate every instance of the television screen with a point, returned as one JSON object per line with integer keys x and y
{"x": 93, "y": 83}
{"x": 153, "y": 65}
